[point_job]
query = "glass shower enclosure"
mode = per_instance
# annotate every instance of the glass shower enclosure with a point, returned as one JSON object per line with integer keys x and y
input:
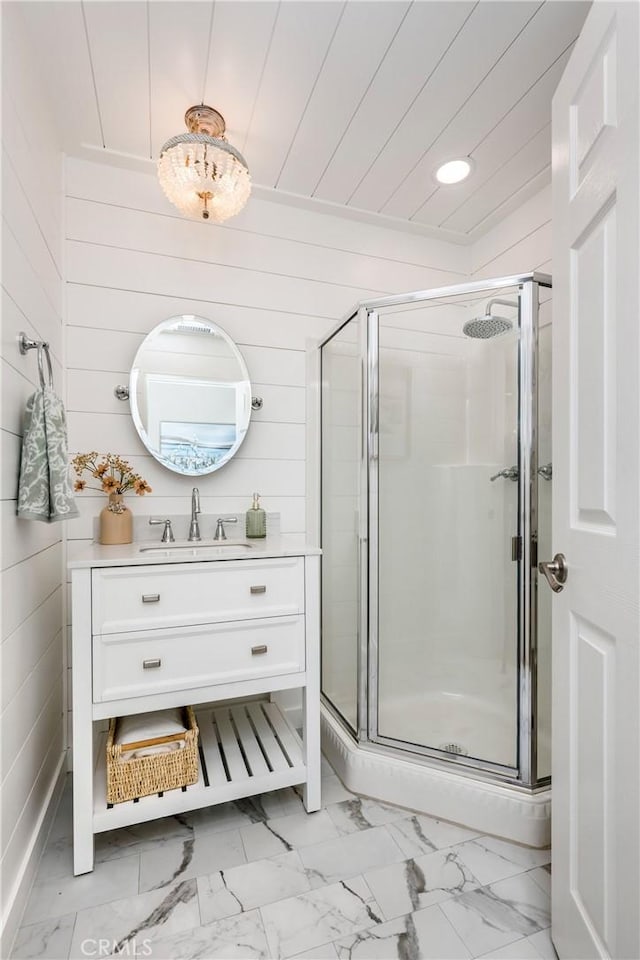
{"x": 435, "y": 491}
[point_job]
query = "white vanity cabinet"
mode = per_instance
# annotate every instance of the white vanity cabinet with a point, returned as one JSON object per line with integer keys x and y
{"x": 165, "y": 632}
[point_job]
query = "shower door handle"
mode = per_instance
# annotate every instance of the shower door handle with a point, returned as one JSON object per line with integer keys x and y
{"x": 555, "y": 571}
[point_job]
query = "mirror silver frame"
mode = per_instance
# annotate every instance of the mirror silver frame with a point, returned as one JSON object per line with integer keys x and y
{"x": 243, "y": 386}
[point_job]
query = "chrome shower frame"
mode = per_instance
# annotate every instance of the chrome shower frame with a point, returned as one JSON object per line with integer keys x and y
{"x": 524, "y": 774}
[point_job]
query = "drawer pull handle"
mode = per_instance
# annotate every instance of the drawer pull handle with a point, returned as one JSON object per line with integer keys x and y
{"x": 150, "y": 597}
{"x": 262, "y": 648}
{"x": 260, "y": 588}
{"x": 151, "y": 664}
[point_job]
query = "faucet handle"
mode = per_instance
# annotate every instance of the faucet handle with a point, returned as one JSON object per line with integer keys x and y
{"x": 167, "y": 533}
{"x": 220, "y": 534}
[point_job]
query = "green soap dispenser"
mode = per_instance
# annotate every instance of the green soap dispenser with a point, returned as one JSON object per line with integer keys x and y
{"x": 256, "y": 527}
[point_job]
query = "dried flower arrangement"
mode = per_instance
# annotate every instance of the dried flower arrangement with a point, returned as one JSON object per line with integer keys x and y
{"x": 114, "y": 474}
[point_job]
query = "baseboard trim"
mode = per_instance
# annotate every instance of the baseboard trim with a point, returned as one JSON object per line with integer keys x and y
{"x": 22, "y": 886}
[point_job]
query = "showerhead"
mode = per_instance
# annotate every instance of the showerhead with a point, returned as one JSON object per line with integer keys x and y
{"x": 483, "y": 328}
{"x": 490, "y": 325}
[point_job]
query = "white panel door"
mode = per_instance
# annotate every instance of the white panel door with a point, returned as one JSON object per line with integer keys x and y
{"x": 596, "y": 624}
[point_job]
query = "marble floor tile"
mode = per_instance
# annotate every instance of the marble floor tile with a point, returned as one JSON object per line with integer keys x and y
{"x": 226, "y": 816}
{"x": 519, "y": 950}
{"x": 542, "y": 876}
{"x": 326, "y": 952}
{"x": 282, "y": 803}
{"x": 127, "y": 925}
{"x": 326, "y": 770}
{"x": 298, "y": 924}
{"x": 140, "y": 838}
{"x": 414, "y": 884}
{"x": 49, "y": 938}
{"x": 193, "y": 856}
{"x": 360, "y": 813}
{"x": 251, "y": 885}
{"x": 419, "y": 834}
{"x": 491, "y": 859}
{"x": 349, "y": 855}
{"x": 56, "y": 859}
{"x": 67, "y": 894}
{"x": 543, "y": 943}
{"x": 333, "y": 791}
{"x": 62, "y": 825}
{"x": 424, "y": 934}
{"x": 282, "y": 834}
{"x": 235, "y": 938}
{"x": 491, "y": 917}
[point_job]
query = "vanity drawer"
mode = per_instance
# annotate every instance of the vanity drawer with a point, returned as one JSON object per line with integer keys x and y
{"x": 166, "y": 595}
{"x": 156, "y": 661}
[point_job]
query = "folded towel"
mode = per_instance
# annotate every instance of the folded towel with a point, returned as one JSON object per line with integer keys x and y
{"x": 44, "y": 491}
{"x": 148, "y": 726}
{"x": 151, "y": 751}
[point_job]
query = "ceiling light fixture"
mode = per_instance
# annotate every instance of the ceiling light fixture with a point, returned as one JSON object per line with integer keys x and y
{"x": 200, "y": 172}
{"x": 454, "y": 171}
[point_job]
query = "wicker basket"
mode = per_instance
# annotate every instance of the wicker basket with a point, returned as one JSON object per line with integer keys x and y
{"x": 142, "y": 776}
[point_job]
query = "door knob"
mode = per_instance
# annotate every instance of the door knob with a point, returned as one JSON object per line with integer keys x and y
{"x": 555, "y": 571}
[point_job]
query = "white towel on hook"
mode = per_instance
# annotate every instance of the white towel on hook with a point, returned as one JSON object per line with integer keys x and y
{"x": 44, "y": 490}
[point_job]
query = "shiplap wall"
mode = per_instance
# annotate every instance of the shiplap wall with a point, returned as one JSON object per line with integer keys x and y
{"x": 273, "y": 278}
{"x": 520, "y": 243}
{"x": 32, "y": 591}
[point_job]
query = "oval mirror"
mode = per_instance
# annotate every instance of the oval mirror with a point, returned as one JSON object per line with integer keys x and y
{"x": 190, "y": 395}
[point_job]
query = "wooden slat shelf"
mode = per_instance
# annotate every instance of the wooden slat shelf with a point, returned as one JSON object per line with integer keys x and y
{"x": 248, "y": 748}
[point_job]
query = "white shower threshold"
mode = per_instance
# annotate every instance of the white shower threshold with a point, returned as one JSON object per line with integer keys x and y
{"x": 504, "y": 811}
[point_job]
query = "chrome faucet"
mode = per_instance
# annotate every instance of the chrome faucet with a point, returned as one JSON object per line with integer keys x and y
{"x": 194, "y": 529}
{"x": 220, "y": 534}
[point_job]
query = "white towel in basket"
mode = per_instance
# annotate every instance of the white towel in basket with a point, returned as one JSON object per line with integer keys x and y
{"x": 147, "y": 726}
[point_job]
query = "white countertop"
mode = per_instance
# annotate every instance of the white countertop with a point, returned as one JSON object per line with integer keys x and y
{"x": 138, "y": 554}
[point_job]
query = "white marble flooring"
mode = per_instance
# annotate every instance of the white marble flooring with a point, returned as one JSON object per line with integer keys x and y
{"x": 262, "y": 878}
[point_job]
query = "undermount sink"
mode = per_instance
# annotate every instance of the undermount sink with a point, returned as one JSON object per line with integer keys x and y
{"x": 195, "y": 548}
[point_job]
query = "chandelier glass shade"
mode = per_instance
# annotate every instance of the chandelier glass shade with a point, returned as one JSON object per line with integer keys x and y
{"x": 200, "y": 172}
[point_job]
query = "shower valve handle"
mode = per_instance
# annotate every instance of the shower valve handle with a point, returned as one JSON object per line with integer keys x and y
{"x": 509, "y": 473}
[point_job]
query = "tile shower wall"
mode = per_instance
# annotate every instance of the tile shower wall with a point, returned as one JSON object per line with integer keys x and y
{"x": 31, "y": 579}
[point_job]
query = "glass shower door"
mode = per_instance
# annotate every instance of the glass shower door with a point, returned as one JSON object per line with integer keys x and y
{"x": 446, "y": 482}
{"x": 341, "y": 426}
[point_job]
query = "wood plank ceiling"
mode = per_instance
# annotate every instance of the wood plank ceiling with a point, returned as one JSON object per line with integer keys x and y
{"x": 354, "y": 103}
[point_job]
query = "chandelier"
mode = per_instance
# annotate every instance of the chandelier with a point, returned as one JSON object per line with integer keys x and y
{"x": 200, "y": 172}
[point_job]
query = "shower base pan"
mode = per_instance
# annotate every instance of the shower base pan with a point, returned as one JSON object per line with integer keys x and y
{"x": 501, "y": 810}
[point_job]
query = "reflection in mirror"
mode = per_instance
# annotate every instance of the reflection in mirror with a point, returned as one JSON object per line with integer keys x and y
{"x": 190, "y": 395}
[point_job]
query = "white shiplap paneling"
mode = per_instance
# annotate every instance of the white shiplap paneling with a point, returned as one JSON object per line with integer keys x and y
{"x": 397, "y": 178}
{"x": 31, "y": 718}
{"x": 418, "y": 46}
{"x": 544, "y": 37}
{"x": 520, "y": 243}
{"x": 351, "y": 102}
{"x": 347, "y": 73}
{"x": 272, "y": 280}
{"x": 516, "y": 128}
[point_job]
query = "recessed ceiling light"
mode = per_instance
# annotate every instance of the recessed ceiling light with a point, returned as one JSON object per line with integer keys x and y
{"x": 455, "y": 170}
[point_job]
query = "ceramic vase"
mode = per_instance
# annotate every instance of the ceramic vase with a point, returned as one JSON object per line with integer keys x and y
{"x": 116, "y": 521}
